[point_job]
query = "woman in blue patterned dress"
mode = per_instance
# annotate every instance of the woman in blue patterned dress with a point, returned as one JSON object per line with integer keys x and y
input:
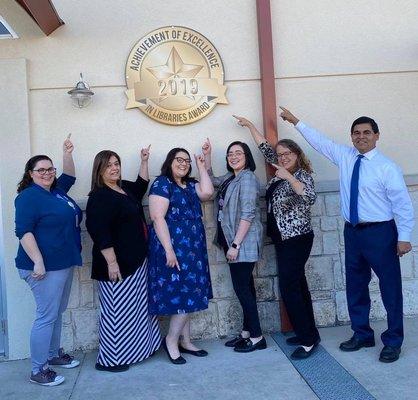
{"x": 179, "y": 281}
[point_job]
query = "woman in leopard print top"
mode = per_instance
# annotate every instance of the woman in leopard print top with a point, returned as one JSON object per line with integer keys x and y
{"x": 290, "y": 194}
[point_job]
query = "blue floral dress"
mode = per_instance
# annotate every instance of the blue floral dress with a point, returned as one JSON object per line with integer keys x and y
{"x": 172, "y": 291}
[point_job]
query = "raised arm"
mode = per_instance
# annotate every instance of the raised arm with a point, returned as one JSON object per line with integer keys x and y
{"x": 158, "y": 207}
{"x": 143, "y": 169}
{"x": 320, "y": 142}
{"x": 204, "y": 188}
{"x": 263, "y": 145}
{"x": 256, "y": 135}
{"x": 68, "y": 166}
{"x": 207, "y": 154}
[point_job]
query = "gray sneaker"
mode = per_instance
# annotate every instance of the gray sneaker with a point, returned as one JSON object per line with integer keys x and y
{"x": 63, "y": 360}
{"x": 46, "y": 377}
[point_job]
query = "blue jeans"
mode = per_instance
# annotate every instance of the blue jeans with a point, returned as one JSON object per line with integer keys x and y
{"x": 51, "y": 297}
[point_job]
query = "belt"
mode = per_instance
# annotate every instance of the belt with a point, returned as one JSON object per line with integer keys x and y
{"x": 361, "y": 225}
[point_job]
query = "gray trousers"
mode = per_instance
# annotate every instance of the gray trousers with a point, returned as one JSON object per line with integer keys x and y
{"x": 51, "y": 297}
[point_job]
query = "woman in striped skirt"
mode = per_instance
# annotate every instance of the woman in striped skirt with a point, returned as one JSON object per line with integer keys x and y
{"x": 115, "y": 221}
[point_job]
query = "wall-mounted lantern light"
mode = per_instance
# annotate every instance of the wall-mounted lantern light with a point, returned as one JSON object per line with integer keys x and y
{"x": 81, "y": 94}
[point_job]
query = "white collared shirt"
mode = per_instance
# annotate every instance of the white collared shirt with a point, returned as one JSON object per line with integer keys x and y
{"x": 383, "y": 194}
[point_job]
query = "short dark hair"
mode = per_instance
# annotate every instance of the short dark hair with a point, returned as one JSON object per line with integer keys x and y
{"x": 365, "y": 120}
{"x": 30, "y": 165}
{"x": 166, "y": 167}
{"x": 249, "y": 159}
{"x": 99, "y": 167}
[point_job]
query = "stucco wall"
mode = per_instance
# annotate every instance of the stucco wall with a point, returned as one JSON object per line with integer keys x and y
{"x": 333, "y": 62}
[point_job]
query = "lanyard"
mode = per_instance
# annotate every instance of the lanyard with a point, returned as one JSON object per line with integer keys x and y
{"x": 71, "y": 204}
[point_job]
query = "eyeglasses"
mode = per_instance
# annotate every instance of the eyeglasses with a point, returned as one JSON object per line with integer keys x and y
{"x": 43, "y": 171}
{"x": 235, "y": 154}
{"x": 285, "y": 154}
{"x": 182, "y": 160}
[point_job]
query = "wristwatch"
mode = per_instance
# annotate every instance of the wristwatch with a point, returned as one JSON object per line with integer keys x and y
{"x": 235, "y": 246}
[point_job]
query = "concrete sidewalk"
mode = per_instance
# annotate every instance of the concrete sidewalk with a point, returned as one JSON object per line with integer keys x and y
{"x": 223, "y": 375}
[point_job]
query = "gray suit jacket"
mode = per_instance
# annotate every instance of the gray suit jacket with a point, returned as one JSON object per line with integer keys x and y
{"x": 241, "y": 202}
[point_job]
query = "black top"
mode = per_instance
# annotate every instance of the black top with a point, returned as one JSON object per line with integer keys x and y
{"x": 221, "y": 240}
{"x": 272, "y": 228}
{"x": 117, "y": 220}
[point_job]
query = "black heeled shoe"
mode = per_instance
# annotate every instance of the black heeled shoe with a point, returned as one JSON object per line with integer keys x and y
{"x": 247, "y": 346}
{"x": 178, "y": 361}
{"x": 236, "y": 341}
{"x": 197, "y": 353}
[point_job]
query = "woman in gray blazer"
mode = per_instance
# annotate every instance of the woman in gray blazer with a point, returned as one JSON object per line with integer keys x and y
{"x": 240, "y": 234}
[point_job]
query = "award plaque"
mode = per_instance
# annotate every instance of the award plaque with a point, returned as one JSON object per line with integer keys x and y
{"x": 175, "y": 76}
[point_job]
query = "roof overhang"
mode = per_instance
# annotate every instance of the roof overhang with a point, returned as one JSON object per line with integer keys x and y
{"x": 43, "y": 13}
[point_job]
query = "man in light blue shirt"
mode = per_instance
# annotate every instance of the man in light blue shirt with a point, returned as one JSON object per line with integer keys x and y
{"x": 373, "y": 196}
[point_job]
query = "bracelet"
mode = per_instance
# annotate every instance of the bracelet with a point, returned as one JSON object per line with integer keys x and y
{"x": 112, "y": 263}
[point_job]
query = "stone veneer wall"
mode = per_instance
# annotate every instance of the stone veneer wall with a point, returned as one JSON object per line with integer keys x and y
{"x": 325, "y": 272}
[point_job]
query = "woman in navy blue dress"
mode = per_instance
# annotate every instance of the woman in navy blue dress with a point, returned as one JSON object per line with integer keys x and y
{"x": 179, "y": 281}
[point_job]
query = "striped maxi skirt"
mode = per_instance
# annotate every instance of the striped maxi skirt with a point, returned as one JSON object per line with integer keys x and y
{"x": 127, "y": 333}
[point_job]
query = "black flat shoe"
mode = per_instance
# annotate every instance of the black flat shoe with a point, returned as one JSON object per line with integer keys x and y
{"x": 197, "y": 353}
{"x": 113, "y": 368}
{"x": 389, "y": 354}
{"x": 248, "y": 346}
{"x": 235, "y": 341}
{"x": 355, "y": 344}
{"x": 300, "y": 353}
{"x": 178, "y": 361}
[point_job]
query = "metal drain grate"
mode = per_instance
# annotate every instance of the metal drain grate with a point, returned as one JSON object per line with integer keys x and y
{"x": 325, "y": 376}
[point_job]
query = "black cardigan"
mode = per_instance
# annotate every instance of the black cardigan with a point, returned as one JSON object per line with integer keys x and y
{"x": 117, "y": 220}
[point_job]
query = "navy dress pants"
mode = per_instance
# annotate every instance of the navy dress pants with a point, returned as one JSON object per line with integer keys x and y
{"x": 367, "y": 247}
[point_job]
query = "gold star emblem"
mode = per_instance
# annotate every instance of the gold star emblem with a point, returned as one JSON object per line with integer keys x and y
{"x": 175, "y": 67}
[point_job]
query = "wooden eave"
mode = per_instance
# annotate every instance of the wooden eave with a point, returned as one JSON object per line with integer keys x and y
{"x": 43, "y": 13}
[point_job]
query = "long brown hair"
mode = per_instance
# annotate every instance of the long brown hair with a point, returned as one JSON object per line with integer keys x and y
{"x": 302, "y": 161}
{"x": 30, "y": 165}
{"x": 99, "y": 166}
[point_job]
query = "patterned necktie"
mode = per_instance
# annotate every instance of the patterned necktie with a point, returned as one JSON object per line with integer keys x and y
{"x": 354, "y": 191}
